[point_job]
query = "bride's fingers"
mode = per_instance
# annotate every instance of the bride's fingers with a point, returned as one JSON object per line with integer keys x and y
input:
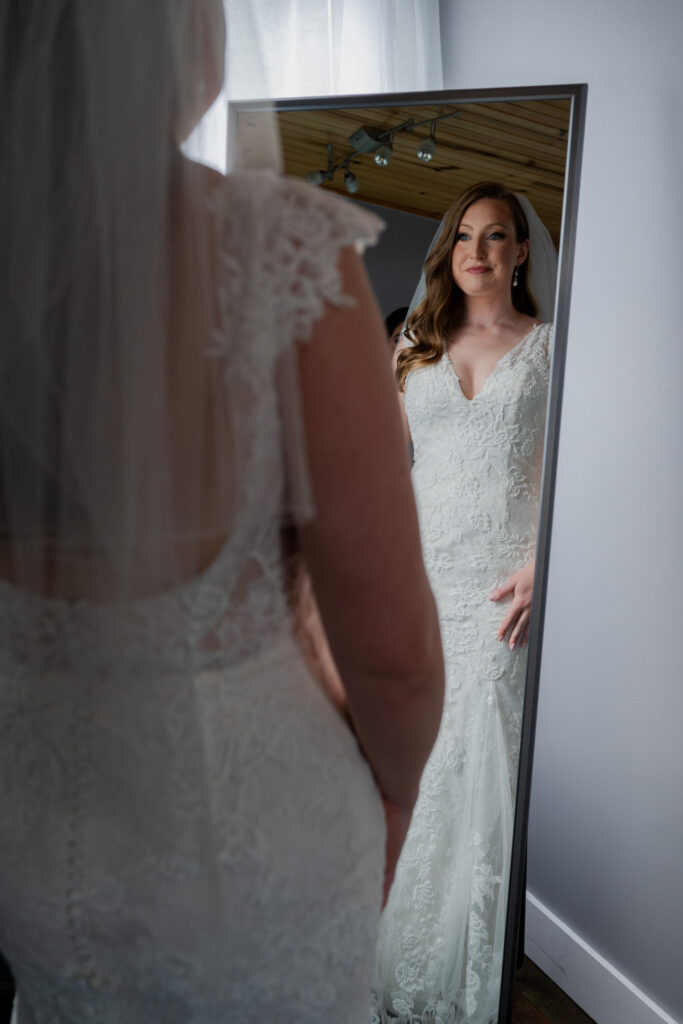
{"x": 505, "y": 625}
{"x": 509, "y": 620}
{"x": 520, "y": 626}
{"x": 508, "y": 587}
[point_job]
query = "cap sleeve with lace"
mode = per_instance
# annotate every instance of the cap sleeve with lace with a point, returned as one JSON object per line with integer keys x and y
{"x": 280, "y": 263}
{"x": 313, "y": 227}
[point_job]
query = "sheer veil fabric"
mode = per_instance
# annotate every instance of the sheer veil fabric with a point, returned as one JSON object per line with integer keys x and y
{"x": 93, "y": 473}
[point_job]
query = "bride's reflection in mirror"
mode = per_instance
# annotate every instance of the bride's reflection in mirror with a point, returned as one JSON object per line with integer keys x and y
{"x": 473, "y": 372}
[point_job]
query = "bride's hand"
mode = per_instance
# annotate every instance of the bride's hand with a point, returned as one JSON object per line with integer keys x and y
{"x": 397, "y": 821}
{"x": 520, "y": 585}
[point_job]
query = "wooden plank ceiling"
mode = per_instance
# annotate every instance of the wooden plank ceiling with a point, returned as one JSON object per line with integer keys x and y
{"x": 522, "y": 144}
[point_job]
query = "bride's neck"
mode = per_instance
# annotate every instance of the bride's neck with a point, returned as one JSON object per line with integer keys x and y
{"x": 488, "y": 311}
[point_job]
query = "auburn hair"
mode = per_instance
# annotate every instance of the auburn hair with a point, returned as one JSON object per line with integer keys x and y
{"x": 443, "y": 307}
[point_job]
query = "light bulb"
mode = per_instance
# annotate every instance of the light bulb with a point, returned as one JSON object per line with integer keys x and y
{"x": 383, "y": 155}
{"x": 426, "y": 149}
{"x": 351, "y": 182}
{"x": 315, "y": 177}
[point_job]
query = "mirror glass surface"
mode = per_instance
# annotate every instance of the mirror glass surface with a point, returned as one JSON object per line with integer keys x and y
{"x": 366, "y": 149}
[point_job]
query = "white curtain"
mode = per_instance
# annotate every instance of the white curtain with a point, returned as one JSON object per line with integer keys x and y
{"x": 292, "y": 48}
{"x": 334, "y": 47}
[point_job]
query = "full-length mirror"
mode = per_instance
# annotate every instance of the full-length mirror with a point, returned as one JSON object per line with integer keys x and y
{"x": 482, "y": 406}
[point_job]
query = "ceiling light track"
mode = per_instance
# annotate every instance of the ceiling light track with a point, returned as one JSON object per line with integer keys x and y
{"x": 380, "y": 142}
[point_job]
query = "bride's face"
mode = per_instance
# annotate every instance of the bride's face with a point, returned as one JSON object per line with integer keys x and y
{"x": 486, "y": 249}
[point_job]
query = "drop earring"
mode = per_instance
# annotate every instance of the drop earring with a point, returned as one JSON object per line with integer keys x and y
{"x": 515, "y": 277}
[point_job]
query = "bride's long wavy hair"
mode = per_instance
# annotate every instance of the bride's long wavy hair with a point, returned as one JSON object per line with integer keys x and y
{"x": 442, "y": 309}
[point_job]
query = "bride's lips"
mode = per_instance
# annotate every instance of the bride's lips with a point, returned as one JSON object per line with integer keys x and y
{"x": 478, "y": 270}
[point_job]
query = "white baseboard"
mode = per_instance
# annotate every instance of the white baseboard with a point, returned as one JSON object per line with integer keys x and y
{"x": 601, "y": 991}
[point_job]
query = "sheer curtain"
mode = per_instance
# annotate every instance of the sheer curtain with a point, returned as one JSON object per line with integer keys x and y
{"x": 329, "y": 47}
{"x": 289, "y": 48}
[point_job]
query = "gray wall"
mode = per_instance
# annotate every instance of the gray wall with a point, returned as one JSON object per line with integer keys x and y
{"x": 394, "y": 265}
{"x": 606, "y": 832}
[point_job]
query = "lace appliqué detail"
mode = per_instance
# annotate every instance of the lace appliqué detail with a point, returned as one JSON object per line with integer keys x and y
{"x": 295, "y": 237}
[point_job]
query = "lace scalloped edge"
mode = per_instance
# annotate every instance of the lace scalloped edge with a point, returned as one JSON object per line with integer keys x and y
{"x": 436, "y": 1012}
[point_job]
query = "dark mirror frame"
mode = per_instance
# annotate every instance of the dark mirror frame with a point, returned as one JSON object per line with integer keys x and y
{"x": 577, "y": 94}
{"x": 517, "y": 891}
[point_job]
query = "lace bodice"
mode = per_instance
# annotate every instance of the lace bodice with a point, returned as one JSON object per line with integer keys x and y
{"x": 478, "y": 465}
{"x": 152, "y": 804}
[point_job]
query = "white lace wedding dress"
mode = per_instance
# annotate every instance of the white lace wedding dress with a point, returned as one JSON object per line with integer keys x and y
{"x": 195, "y": 838}
{"x": 477, "y": 477}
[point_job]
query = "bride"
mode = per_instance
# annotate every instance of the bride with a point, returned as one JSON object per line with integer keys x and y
{"x": 473, "y": 373}
{"x": 191, "y": 832}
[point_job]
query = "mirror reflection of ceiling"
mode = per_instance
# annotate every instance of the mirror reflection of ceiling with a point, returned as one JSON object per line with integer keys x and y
{"x": 522, "y": 144}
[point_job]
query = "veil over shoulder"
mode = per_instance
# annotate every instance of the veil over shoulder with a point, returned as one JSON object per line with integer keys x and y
{"x": 108, "y": 270}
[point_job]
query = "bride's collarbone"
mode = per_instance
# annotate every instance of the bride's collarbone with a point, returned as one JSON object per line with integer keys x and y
{"x": 498, "y": 337}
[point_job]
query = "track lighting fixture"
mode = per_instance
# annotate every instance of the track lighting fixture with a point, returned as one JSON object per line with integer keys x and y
{"x": 351, "y": 181}
{"x": 379, "y": 142}
{"x": 427, "y": 148}
{"x": 383, "y": 154}
{"x": 316, "y": 177}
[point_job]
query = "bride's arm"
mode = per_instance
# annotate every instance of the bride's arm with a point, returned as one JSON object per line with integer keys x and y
{"x": 363, "y": 548}
{"x": 308, "y": 629}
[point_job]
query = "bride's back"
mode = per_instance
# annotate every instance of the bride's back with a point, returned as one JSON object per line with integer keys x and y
{"x": 163, "y": 741}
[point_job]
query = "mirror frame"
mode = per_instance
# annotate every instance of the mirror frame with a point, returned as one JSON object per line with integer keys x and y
{"x": 577, "y": 94}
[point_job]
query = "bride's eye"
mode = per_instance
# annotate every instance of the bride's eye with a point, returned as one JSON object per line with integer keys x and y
{"x": 495, "y": 235}
{"x": 462, "y": 236}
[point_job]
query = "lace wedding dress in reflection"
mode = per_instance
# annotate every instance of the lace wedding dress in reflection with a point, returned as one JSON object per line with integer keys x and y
{"x": 477, "y": 477}
{"x": 195, "y": 836}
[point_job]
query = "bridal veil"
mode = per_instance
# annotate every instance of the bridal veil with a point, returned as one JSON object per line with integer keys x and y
{"x": 119, "y": 450}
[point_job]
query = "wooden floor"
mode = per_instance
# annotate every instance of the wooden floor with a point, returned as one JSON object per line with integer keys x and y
{"x": 537, "y": 1000}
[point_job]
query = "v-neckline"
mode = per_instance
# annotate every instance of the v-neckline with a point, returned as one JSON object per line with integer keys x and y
{"x": 494, "y": 368}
